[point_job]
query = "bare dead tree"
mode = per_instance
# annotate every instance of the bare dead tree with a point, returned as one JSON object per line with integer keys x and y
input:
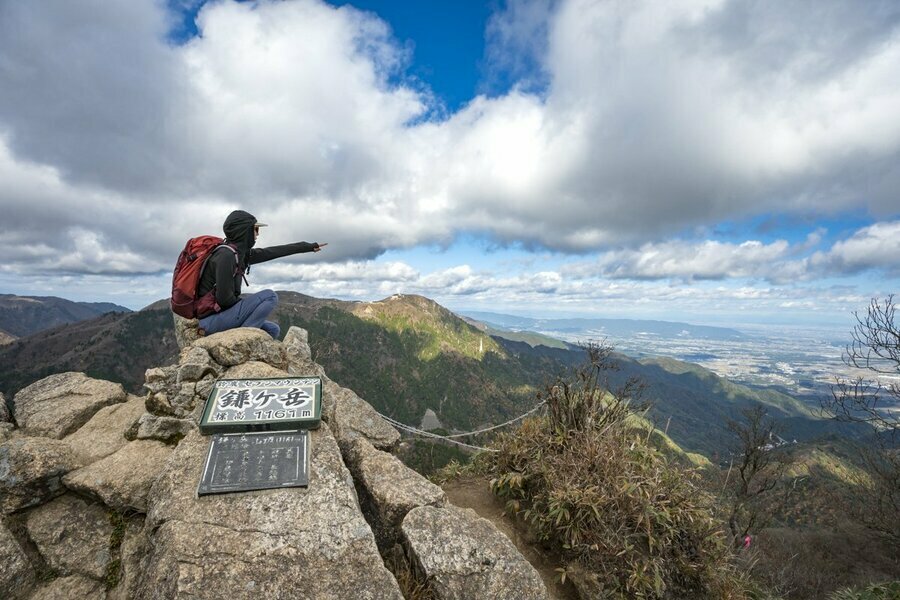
{"x": 875, "y": 347}
{"x": 757, "y": 470}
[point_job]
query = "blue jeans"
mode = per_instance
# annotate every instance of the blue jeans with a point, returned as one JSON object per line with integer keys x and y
{"x": 250, "y": 311}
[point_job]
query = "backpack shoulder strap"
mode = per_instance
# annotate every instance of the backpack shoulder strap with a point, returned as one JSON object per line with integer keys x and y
{"x": 237, "y": 260}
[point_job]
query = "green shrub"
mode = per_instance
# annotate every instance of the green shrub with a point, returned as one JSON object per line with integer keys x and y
{"x": 591, "y": 485}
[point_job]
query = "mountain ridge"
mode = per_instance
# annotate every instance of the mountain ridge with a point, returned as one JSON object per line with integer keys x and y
{"x": 407, "y": 354}
{"x": 21, "y": 316}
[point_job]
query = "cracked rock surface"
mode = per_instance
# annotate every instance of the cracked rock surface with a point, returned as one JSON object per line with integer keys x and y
{"x": 123, "y": 479}
{"x": 289, "y": 543}
{"x": 103, "y": 434}
{"x": 312, "y": 543}
{"x": 59, "y": 404}
{"x": 464, "y": 556}
{"x": 72, "y": 536}
{"x": 16, "y": 573}
{"x": 31, "y": 471}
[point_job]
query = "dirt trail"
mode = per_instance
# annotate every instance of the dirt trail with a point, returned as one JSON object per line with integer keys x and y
{"x": 475, "y": 493}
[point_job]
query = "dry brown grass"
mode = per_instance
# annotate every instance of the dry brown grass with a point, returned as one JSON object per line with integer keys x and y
{"x": 594, "y": 487}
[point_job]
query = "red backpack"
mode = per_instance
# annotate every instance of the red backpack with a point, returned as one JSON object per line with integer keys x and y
{"x": 186, "y": 278}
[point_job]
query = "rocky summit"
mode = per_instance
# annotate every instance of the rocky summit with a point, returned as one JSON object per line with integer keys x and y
{"x": 98, "y": 493}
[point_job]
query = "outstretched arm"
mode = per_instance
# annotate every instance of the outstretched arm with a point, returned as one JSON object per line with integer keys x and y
{"x": 258, "y": 255}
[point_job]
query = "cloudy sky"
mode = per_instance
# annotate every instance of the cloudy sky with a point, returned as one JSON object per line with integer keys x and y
{"x": 706, "y": 160}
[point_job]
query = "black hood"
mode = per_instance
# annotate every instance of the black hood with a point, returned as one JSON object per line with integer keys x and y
{"x": 238, "y": 230}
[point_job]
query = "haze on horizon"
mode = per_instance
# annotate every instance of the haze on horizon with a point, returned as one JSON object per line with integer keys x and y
{"x": 700, "y": 160}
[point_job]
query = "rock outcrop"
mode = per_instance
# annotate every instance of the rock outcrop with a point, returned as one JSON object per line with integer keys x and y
{"x": 73, "y": 586}
{"x": 17, "y": 573}
{"x": 463, "y": 556}
{"x": 58, "y": 405}
{"x": 290, "y": 543}
{"x": 103, "y": 434}
{"x": 104, "y": 496}
{"x": 388, "y": 489}
{"x": 4, "y": 410}
{"x": 122, "y": 479}
{"x": 31, "y": 471}
{"x": 72, "y": 536}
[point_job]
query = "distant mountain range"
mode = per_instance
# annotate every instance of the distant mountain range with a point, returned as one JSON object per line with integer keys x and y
{"x": 408, "y": 354}
{"x": 21, "y": 316}
{"x": 613, "y": 327}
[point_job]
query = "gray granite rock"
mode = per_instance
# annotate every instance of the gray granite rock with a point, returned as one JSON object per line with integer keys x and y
{"x": 204, "y": 387}
{"x": 185, "y": 399}
{"x": 168, "y": 430}
{"x": 131, "y": 555}
{"x": 72, "y": 535}
{"x": 351, "y": 417}
{"x": 161, "y": 379}
{"x": 157, "y": 403}
{"x": 296, "y": 342}
{"x": 105, "y": 432}
{"x": 31, "y": 471}
{"x": 16, "y": 574}
{"x": 194, "y": 364}
{"x": 253, "y": 370}
{"x": 464, "y": 556}
{"x": 5, "y": 417}
{"x": 388, "y": 489}
{"x": 6, "y": 431}
{"x": 59, "y": 404}
{"x": 308, "y": 543}
{"x": 122, "y": 480}
{"x": 70, "y": 588}
{"x": 243, "y": 344}
{"x": 187, "y": 331}
{"x": 161, "y": 383}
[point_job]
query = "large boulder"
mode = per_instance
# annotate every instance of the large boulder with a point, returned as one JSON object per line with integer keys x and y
{"x": 253, "y": 369}
{"x": 464, "y": 556}
{"x": 122, "y": 479}
{"x": 31, "y": 471}
{"x": 4, "y": 410}
{"x": 351, "y": 417}
{"x": 161, "y": 383}
{"x": 104, "y": 433}
{"x": 72, "y": 535}
{"x": 388, "y": 489}
{"x": 187, "y": 331}
{"x": 241, "y": 345}
{"x": 16, "y": 574}
{"x": 71, "y": 587}
{"x": 286, "y": 543}
{"x": 296, "y": 342}
{"x": 168, "y": 430}
{"x": 299, "y": 354}
{"x": 58, "y": 405}
{"x": 194, "y": 363}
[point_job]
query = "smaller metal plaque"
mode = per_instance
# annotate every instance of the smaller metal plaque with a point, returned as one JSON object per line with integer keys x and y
{"x": 240, "y": 462}
{"x": 281, "y": 403}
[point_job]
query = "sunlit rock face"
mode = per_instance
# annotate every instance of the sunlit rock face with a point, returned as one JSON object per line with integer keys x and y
{"x": 112, "y": 507}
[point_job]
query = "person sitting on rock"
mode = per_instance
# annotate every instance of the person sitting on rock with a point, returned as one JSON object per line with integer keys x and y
{"x": 227, "y": 267}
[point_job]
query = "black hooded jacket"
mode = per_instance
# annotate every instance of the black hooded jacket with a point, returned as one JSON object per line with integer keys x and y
{"x": 223, "y": 274}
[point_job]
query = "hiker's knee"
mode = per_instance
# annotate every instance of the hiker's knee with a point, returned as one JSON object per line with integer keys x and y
{"x": 269, "y": 296}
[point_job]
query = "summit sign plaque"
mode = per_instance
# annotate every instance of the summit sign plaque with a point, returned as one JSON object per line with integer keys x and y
{"x": 241, "y": 462}
{"x": 277, "y": 404}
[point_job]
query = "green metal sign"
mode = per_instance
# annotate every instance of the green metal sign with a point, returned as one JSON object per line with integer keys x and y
{"x": 275, "y": 404}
